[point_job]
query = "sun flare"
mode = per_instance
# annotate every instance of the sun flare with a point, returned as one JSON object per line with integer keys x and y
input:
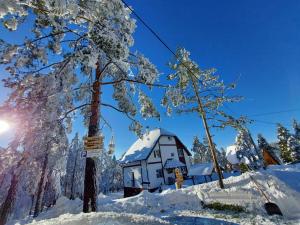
{"x": 4, "y": 126}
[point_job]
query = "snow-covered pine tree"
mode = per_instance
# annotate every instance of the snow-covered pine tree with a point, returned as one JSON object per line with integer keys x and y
{"x": 262, "y": 142}
{"x": 296, "y": 127}
{"x": 96, "y": 38}
{"x": 222, "y": 158}
{"x": 197, "y": 150}
{"x": 110, "y": 176}
{"x": 294, "y": 148}
{"x": 283, "y": 136}
{"x": 246, "y": 150}
{"x": 73, "y": 180}
{"x": 40, "y": 136}
{"x": 202, "y": 153}
{"x": 202, "y": 92}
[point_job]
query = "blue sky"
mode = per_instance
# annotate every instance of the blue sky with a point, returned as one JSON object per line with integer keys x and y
{"x": 257, "y": 41}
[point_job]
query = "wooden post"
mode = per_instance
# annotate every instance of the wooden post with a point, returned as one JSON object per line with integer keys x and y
{"x": 90, "y": 182}
{"x": 208, "y": 135}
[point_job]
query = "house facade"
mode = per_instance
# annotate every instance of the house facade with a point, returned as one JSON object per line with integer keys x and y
{"x": 150, "y": 161}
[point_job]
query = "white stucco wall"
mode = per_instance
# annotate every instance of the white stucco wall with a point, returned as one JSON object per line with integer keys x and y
{"x": 137, "y": 170}
{"x": 154, "y": 181}
{"x": 167, "y": 151}
{"x": 152, "y": 158}
{"x": 167, "y": 140}
{"x": 144, "y": 174}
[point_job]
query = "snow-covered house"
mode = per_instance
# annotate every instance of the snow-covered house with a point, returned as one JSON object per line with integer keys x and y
{"x": 151, "y": 160}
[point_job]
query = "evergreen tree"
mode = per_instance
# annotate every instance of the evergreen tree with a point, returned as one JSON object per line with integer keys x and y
{"x": 262, "y": 142}
{"x": 73, "y": 180}
{"x": 283, "y": 136}
{"x": 296, "y": 127}
{"x": 109, "y": 173}
{"x": 246, "y": 149}
{"x": 199, "y": 91}
{"x": 74, "y": 44}
{"x": 196, "y": 149}
{"x": 201, "y": 151}
{"x": 294, "y": 147}
{"x": 222, "y": 158}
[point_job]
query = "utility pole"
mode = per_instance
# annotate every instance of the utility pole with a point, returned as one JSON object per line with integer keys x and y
{"x": 208, "y": 135}
{"x": 90, "y": 182}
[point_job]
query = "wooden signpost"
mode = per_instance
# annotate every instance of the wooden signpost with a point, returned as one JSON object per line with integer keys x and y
{"x": 179, "y": 178}
{"x": 93, "y": 146}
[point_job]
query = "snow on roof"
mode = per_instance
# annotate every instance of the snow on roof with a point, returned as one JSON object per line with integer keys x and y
{"x": 201, "y": 169}
{"x": 142, "y": 147}
{"x": 173, "y": 163}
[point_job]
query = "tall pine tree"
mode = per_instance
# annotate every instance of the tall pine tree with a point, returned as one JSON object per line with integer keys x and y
{"x": 283, "y": 136}
{"x": 293, "y": 147}
{"x": 246, "y": 149}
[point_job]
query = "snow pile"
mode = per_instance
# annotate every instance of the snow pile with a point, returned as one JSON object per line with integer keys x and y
{"x": 184, "y": 206}
{"x": 101, "y": 218}
{"x": 153, "y": 203}
{"x": 280, "y": 186}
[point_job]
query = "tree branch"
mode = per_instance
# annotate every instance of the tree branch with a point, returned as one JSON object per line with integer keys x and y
{"x": 72, "y": 110}
{"x": 119, "y": 110}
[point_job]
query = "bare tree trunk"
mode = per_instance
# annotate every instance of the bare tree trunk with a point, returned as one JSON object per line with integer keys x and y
{"x": 208, "y": 135}
{"x": 38, "y": 202}
{"x": 90, "y": 188}
{"x": 9, "y": 202}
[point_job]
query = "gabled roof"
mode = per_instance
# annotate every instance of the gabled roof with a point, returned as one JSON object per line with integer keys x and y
{"x": 273, "y": 154}
{"x": 141, "y": 149}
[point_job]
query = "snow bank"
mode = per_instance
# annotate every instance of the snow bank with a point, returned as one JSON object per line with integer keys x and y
{"x": 101, "y": 218}
{"x": 280, "y": 184}
{"x": 154, "y": 203}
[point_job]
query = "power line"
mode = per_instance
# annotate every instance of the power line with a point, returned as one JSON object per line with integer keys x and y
{"x": 275, "y": 112}
{"x": 149, "y": 28}
{"x": 157, "y": 36}
{"x": 260, "y": 121}
{"x": 167, "y": 46}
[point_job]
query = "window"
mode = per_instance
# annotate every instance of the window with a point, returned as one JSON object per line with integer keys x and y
{"x": 172, "y": 154}
{"x": 156, "y": 153}
{"x": 159, "y": 173}
{"x": 132, "y": 179}
{"x": 180, "y": 152}
{"x": 184, "y": 170}
{"x": 169, "y": 171}
{"x": 169, "y": 138}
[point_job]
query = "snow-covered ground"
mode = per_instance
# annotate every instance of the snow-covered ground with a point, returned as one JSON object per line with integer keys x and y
{"x": 280, "y": 183}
